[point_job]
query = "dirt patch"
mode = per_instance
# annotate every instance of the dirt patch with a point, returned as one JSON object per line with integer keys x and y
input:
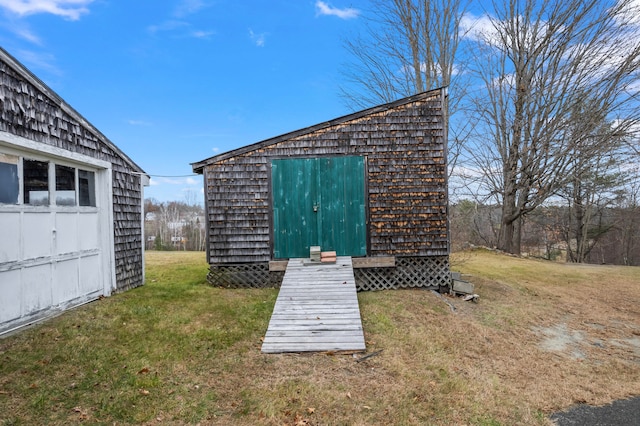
{"x": 593, "y": 341}
{"x": 631, "y": 344}
{"x": 559, "y": 338}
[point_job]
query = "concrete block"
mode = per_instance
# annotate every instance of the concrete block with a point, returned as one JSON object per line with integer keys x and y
{"x": 460, "y": 286}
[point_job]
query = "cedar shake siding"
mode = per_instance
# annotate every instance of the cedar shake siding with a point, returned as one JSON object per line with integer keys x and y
{"x": 403, "y": 144}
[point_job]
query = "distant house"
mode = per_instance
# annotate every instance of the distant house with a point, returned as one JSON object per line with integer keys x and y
{"x": 372, "y": 185}
{"x": 174, "y": 226}
{"x": 71, "y": 205}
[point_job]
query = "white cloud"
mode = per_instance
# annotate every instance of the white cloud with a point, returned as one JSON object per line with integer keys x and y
{"x": 158, "y": 180}
{"x": 325, "y": 9}
{"x": 188, "y": 7}
{"x": 166, "y": 188}
{"x": 20, "y": 28}
{"x": 258, "y": 39}
{"x": 215, "y": 149}
{"x": 202, "y": 34}
{"x": 182, "y": 28}
{"x": 167, "y": 26}
{"x": 179, "y": 26}
{"x": 476, "y": 27}
{"x": 43, "y": 61}
{"x": 69, "y": 9}
{"x": 630, "y": 12}
{"x": 175, "y": 180}
{"x": 138, "y": 123}
{"x": 26, "y": 34}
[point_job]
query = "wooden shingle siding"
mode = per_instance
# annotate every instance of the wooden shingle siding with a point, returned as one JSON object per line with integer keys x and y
{"x": 127, "y": 211}
{"x": 239, "y": 222}
{"x": 405, "y": 148}
{"x": 43, "y": 117}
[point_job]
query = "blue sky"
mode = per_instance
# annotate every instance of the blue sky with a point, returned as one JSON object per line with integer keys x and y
{"x": 173, "y": 82}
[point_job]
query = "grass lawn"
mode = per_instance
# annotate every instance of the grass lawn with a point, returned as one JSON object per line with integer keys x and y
{"x": 543, "y": 336}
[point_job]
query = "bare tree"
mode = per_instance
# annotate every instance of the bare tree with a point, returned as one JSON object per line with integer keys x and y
{"x": 592, "y": 186}
{"x": 546, "y": 232}
{"x": 629, "y": 225}
{"x": 621, "y": 245}
{"x": 408, "y": 47}
{"x": 538, "y": 62}
{"x": 590, "y": 194}
{"x": 174, "y": 225}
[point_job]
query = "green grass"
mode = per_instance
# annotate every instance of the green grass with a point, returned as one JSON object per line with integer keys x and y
{"x": 129, "y": 357}
{"x": 178, "y": 351}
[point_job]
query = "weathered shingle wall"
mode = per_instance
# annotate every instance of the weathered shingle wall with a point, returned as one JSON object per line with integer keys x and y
{"x": 127, "y": 229}
{"x": 407, "y": 195}
{"x": 238, "y": 208}
{"x": 27, "y": 112}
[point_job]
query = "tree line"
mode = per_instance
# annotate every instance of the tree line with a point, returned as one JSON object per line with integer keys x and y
{"x": 174, "y": 225}
{"x": 606, "y": 231}
{"x": 610, "y": 236}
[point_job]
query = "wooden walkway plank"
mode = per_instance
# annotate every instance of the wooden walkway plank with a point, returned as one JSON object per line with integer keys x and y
{"x": 316, "y": 310}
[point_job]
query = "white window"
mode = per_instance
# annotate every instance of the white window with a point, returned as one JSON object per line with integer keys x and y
{"x": 36, "y": 182}
{"x": 87, "y": 188}
{"x": 9, "y": 182}
{"x": 42, "y": 182}
{"x": 65, "y": 186}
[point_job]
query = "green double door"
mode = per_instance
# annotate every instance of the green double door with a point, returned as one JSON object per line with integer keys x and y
{"x": 318, "y": 202}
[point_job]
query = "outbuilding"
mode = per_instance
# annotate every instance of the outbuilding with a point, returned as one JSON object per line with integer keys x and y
{"x": 371, "y": 185}
{"x": 71, "y": 203}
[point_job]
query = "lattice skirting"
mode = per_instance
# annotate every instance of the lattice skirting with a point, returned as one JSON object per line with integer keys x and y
{"x": 245, "y": 275}
{"x": 429, "y": 272}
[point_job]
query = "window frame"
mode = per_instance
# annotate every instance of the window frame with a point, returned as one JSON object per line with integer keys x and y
{"x": 93, "y": 198}
{"x": 59, "y": 193}
{"x": 44, "y": 165}
{"x": 52, "y": 161}
{"x": 18, "y": 165}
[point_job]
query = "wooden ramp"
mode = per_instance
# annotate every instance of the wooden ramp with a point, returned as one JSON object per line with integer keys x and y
{"x": 316, "y": 310}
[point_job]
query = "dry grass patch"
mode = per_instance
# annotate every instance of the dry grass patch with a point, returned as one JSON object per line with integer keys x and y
{"x": 177, "y": 351}
{"x": 560, "y": 333}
